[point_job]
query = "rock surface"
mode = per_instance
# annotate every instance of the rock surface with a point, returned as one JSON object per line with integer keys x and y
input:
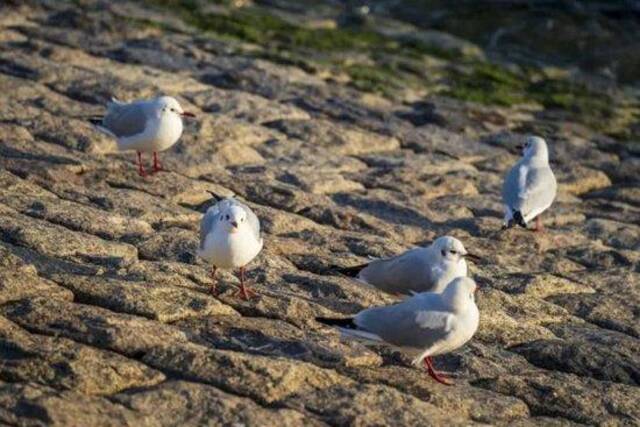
{"x": 105, "y": 312}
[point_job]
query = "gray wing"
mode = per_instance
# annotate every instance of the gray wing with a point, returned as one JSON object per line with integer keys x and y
{"x": 209, "y": 220}
{"x": 525, "y": 191}
{"x": 252, "y": 218}
{"x": 401, "y": 274}
{"x": 126, "y": 119}
{"x": 418, "y": 322}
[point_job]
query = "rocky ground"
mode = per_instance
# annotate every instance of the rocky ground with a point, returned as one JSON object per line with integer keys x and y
{"x": 374, "y": 143}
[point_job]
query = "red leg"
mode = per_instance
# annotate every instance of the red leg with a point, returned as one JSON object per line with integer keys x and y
{"x": 434, "y": 374}
{"x": 156, "y": 163}
{"x": 539, "y": 226}
{"x": 214, "y": 283}
{"x": 245, "y": 292}
{"x": 141, "y": 170}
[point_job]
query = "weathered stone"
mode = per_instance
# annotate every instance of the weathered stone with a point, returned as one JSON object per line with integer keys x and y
{"x": 164, "y": 303}
{"x": 366, "y": 404}
{"x": 580, "y": 180}
{"x": 613, "y": 233}
{"x": 20, "y": 280}
{"x": 577, "y": 399}
{"x": 28, "y": 199}
{"x": 614, "y": 357}
{"x": 35, "y": 405}
{"x": 178, "y": 403}
{"x": 478, "y": 405}
{"x": 264, "y": 379}
{"x": 520, "y": 319}
{"x": 279, "y": 339}
{"x": 64, "y": 364}
{"x": 544, "y": 285}
{"x": 340, "y": 140}
{"x": 57, "y": 241}
{"x": 91, "y": 325}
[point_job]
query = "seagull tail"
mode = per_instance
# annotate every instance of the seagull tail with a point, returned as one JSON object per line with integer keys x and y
{"x": 97, "y": 123}
{"x": 519, "y": 219}
{"x": 217, "y": 197}
{"x": 348, "y": 328}
{"x": 352, "y": 271}
{"x": 341, "y": 323}
{"x": 96, "y": 120}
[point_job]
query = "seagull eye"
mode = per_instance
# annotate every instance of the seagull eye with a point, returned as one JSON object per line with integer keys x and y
{"x": 443, "y": 252}
{"x": 226, "y": 217}
{"x": 453, "y": 252}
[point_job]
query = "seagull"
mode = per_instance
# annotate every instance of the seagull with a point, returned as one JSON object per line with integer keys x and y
{"x": 530, "y": 186}
{"x": 145, "y": 126}
{"x": 423, "y": 326}
{"x": 230, "y": 238}
{"x": 427, "y": 269}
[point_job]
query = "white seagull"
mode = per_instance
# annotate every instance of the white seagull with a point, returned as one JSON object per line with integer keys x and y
{"x": 427, "y": 269}
{"x": 230, "y": 238}
{"x": 423, "y": 326}
{"x": 147, "y": 126}
{"x": 530, "y": 186}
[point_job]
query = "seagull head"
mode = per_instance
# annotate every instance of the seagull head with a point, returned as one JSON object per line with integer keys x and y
{"x": 460, "y": 292}
{"x": 234, "y": 217}
{"x": 449, "y": 249}
{"x": 535, "y": 147}
{"x": 170, "y": 105}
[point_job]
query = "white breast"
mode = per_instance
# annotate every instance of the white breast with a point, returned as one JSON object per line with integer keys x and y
{"x": 445, "y": 272}
{"x": 466, "y": 327}
{"x": 231, "y": 250}
{"x": 168, "y": 132}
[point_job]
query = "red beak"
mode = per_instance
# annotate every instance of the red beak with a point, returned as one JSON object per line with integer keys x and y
{"x": 187, "y": 114}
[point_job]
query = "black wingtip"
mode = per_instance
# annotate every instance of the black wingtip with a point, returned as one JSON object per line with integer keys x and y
{"x": 517, "y": 217}
{"x": 341, "y": 323}
{"x": 217, "y": 197}
{"x": 352, "y": 271}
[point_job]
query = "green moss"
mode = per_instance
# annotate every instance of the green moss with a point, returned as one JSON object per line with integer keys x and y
{"x": 255, "y": 26}
{"x": 494, "y": 85}
{"x": 572, "y": 97}
{"x": 487, "y": 84}
{"x": 394, "y": 65}
{"x": 371, "y": 78}
{"x": 287, "y": 58}
{"x": 147, "y": 23}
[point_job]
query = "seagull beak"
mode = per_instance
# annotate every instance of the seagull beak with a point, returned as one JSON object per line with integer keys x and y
{"x": 234, "y": 224}
{"x": 187, "y": 114}
{"x": 473, "y": 257}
